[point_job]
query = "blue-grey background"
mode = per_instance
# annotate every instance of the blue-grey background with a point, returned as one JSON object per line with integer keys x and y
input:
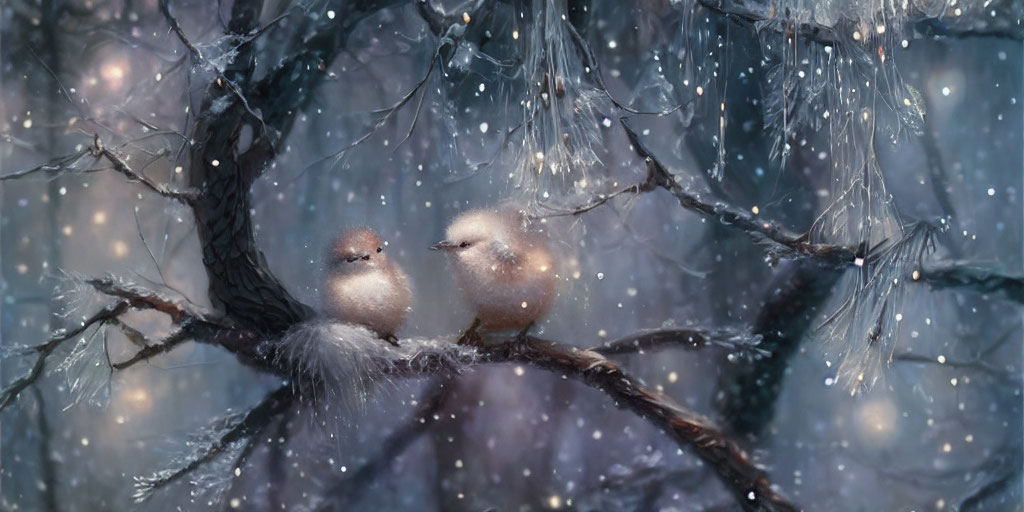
{"x": 922, "y": 438}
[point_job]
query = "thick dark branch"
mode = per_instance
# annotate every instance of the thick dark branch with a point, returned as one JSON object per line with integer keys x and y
{"x": 748, "y": 484}
{"x": 44, "y": 350}
{"x": 691, "y": 339}
{"x": 785, "y": 242}
{"x": 961, "y": 275}
{"x": 165, "y": 9}
{"x": 142, "y": 298}
{"x": 241, "y": 283}
{"x": 46, "y": 460}
{"x": 177, "y": 338}
{"x": 255, "y": 420}
{"x": 789, "y": 306}
{"x": 1010, "y": 477}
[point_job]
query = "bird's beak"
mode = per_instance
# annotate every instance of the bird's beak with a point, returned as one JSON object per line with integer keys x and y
{"x": 357, "y": 257}
{"x": 443, "y": 245}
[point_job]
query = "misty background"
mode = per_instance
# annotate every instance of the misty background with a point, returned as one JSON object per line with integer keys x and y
{"x": 737, "y": 111}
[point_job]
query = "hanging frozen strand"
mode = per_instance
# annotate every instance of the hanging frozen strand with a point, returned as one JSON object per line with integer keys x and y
{"x": 561, "y": 111}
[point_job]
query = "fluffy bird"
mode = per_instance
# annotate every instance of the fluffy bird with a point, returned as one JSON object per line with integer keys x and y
{"x": 363, "y": 286}
{"x": 506, "y": 273}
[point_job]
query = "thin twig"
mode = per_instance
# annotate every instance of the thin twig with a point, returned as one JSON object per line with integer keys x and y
{"x": 177, "y": 338}
{"x": 44, "y": 350}
{"x": 142, "y": 298}
{"x": 121, "y": 166}
{"x": 691, "y": 339}
{"x": 165, "y": 9}
{"x": 52, "y": 167}
{"x": 255, "y": 420}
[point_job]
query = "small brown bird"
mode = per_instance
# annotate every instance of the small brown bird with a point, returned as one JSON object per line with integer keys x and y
{"x": 506, "y": 273}
{"x": 363, "y": 286}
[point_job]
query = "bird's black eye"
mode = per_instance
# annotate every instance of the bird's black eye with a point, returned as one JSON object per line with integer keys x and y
{"x": 379, "y": 249}
{"x": 463, "y": 245}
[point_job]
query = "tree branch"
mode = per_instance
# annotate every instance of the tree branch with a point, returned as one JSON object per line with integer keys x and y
{"x": 254, "y": 421}
{"x": 121, "y": 166}
{"x": 748, "y": 485}
{"x": 44, "y": 350}
{"x": 962, "y": 275}
{"x": 690, "y": 339}
{"x": 177, "y": 338}
{"x": 760, "y": 15}
{"x": 786, "y": 242}
{"x": 165, "y": 9}
{"x": 53, "y": 167}
{"x": 142, "y": 298}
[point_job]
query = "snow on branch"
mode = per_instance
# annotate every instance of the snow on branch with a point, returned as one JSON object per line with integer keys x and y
{"x": 43, "y": 351}
{"x": 820, "y": 23}
{"x": 784, "y": 244}
{"x": 690, "y": 339}
{"x": 967, "y": 276}
{"x": 326, "y": 361}
{"x": 748, "y": 484}
{"x": 225, "y": 435}
{"x": 98, "y": 150}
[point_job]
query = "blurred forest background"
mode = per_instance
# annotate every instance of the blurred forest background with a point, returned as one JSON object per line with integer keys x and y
{"x": 885, "y": 378}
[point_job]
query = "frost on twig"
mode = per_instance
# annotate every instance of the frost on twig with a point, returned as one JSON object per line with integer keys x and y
{"x": 209, "y": 461}
{"x": 967, "y": 276}
{"x": 864, "y": 328}
{"x": 561, "y": 114}
{"x": 740, "y": 345}
{"x": 119, "y": 162}
{"x": 87, "y": 369}
{"x": 44, "y": 350}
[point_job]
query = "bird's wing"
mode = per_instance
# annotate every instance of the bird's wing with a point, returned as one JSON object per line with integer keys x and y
{"x": 504, "y": 253}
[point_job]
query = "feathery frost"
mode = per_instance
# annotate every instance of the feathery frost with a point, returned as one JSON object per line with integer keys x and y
{"x": 209, "y": 479}
{"x": 561, "y": 110}
{"x": 863, "y": 330}
{"x": 87, "y": 369}
{"x": 347, "y": 365}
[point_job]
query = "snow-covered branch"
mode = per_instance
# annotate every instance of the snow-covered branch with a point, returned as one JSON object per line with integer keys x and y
{"x": 982, "y": 22}
{"x": 689, "y": 339}
{"x": 58, "y": 338}
{"x": 237, "y": 428}
{"x": 967, "y": 276}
